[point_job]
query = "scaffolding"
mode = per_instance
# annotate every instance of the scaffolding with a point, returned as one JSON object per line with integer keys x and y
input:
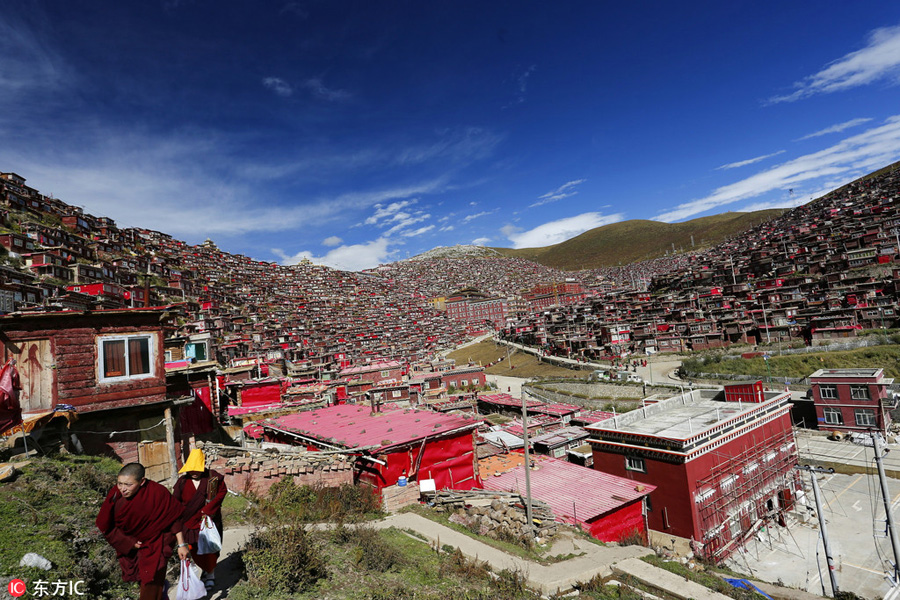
{"x": 745, "y": 491}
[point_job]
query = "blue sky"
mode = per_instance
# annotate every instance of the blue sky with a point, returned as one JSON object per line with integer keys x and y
{"x": 354, "y": 133}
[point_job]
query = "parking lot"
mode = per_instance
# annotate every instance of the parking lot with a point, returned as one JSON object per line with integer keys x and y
{"x": 862, "y": 553}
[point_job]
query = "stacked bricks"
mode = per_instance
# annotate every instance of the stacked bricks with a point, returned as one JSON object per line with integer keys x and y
{"x": 255, "y": 471}
{"x": 395, "y": 497}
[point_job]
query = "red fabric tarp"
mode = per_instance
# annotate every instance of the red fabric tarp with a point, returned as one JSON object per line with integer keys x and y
{"x": 449, "y": 461}
{"x": 261, "y": 394}
{"x": 615, "y": 526}
{"x": 197, "y": 418}
{"x": 10, "y": 410}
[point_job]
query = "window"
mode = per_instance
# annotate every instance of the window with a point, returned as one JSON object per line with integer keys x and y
{"x": 396, "y": 394}
{"x": 865, "y": 417}
{"x": 195, "y": 350}
{"x": 860, "y": 392}
{"x": 634, "y": 463}
{"x": 464, "y": 383}
{"x": 125, "y": 357}
{"x": 833, "y": 416}
{"x": 385, "y": 374}
{"x": 828, "y": 391}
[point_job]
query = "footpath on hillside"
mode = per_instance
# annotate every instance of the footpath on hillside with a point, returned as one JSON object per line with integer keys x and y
{"x": 590, "y": 560}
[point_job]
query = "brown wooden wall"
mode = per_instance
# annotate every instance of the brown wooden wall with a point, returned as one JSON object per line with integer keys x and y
{"x": 74, "y": 352}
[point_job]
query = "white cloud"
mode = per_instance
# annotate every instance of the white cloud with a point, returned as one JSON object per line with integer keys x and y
{"x": 864, "y": 152}
{"x": 879, "y": 59}
{"x": 563, "y": 191}
{"x": 447, "y": 228}
{"x": 332, "y": 241}
{"x": 388, "y": 212}
{"x": 749, "y": 161}
{"x": 320, "y": 90}
{"x": 30, "y": 62}
{"x": 510, "y": 230}
{"x": 484, "y": 213}
{"x": 834, "y": 128}
{"x": 355, "y": 257}
{"x": 558, "y": 231}
{"x": 278, "y": 85}
{"x": 480, "y": 241}
{"x": 418, "y": 231}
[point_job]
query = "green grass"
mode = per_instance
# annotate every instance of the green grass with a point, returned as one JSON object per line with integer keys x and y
{"x": 800, "y": 365}
{"x": 50, "y": 509}
{"x": 416, "y": 571}
{"x": 519, "y": 364}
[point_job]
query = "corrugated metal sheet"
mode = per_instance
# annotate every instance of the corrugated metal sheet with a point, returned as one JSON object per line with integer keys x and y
{"x": 570, "y": 490}
{"x": 507, "y": 400}
{"x": 351, "y": 425}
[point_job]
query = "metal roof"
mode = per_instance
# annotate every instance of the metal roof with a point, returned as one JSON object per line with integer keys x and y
{"x": 352, "y": 426}
{"x": 572, "y": 491}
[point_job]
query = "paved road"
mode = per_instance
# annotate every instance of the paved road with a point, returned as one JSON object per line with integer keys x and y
{"x": 855, "y": 518}
{"x": 510, "y": 385}
{"x": 591, "y": 559}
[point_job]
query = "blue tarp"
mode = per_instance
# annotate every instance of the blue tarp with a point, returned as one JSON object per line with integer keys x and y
{"x": 746, "y": 585}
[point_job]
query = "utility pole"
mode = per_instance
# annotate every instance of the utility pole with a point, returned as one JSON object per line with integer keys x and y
{"x": 528, "y": 520}
{"x": 877, "y": 443}
{"x": 828, "y": 558}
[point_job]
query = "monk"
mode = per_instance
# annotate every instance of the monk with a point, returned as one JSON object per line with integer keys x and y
{"x": 201, "y": 492}
{"x": 141, "y": 520}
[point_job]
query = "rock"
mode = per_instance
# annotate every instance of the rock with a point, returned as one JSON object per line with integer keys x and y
{"x": 35, "y": 560}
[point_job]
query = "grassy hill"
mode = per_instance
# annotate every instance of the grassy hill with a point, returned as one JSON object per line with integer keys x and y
{"x": 631, "y": 241}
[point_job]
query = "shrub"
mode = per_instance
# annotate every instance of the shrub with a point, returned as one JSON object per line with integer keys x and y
{"x": 371, "y": 551}
{"x": 285, "y": 559}
{"x": 288, "y": 502}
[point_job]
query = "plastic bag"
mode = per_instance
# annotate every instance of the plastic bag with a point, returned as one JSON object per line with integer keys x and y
{"x": 189, "y": 585}
{"x": 210, "y": 541}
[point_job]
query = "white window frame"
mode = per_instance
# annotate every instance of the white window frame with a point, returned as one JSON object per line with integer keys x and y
{"x": 831, "y": 389}
{"x": 151, "y": 349}
{"x": 860, "y": 392}
{"x": 830, "y": 411}
{"x": 871, "y": 419}
{"x": 396, "y": 393}
{"x": 635, "y": 463}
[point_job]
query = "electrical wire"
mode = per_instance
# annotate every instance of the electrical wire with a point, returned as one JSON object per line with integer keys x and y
{"x": 112, "y": 433}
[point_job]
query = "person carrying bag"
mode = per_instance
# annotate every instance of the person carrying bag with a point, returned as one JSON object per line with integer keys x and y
{"x": 201, "y": 492}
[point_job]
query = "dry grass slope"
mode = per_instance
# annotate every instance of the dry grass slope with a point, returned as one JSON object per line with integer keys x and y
{"x": 631, "y": 241}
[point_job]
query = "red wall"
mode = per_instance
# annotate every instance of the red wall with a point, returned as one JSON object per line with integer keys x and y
{"x": 449, "y": 461}
{"x": 261, "y": 395}
{"x": 677, "y": 483}
{"x": 619, "y": 524}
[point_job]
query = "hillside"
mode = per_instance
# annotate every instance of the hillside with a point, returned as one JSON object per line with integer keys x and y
{"x": 639, "y": 239}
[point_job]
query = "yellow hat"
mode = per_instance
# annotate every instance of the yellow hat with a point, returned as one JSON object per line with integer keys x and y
{"x": 196, "y": 462}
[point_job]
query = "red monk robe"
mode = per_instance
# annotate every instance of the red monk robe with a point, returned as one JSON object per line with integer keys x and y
{"x": 152, "y": 516}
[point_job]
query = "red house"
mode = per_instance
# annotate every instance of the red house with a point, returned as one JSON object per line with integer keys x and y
{"x": 421, "y": 443}
{"x": 851, "y": 399}
{"x": 109, "y": 366}
{"x": 612, "y": 510}
{"x": 721, "y": 469}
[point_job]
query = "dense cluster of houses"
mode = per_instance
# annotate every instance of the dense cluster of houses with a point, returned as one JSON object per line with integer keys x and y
{"x": 131, "y": 343}
{"x": 821, "y": 271}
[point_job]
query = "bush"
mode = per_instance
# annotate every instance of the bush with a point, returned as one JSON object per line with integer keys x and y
{"x": 284, "y": 559}
{"x": 289, "y": 502}
{"x": 370, "y": 550}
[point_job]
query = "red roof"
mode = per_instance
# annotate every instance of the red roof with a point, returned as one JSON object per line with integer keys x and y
{"x": 507, "y": 400}
{"x": 351, "y": 426}
{"x": 555, "y": 409}
{"x": 570, "y": 490}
